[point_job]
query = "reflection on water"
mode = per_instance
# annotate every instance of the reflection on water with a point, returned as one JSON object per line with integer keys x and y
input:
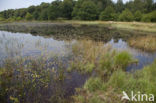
{"x": 144, "y": 58}
{"x": 21, "y": 44}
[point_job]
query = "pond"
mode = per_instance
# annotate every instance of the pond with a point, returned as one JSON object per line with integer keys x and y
{"x": 26, "y": 44}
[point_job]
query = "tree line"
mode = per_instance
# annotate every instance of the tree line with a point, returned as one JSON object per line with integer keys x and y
{"x": 106, "y": 10}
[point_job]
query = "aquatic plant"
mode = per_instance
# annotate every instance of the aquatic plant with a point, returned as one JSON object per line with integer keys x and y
{"x": 146, "y": 43}
{"x": 27, "y": 80}
{"x": 122, "y": 59}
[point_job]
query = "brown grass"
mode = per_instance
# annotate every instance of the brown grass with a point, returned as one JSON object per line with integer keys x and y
{"x": 146, "y": 43}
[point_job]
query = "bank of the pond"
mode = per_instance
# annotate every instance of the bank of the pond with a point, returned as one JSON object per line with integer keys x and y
{"x": 100, "y": 90}
{"x": 81, "y": 27}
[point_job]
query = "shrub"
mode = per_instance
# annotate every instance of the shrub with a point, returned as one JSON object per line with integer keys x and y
{"x": 28, "y": 16}
{"x": 150, "y": 17}
{"x": 18, "y": 18}
{"x": 108, "y": 14}
{"x": 146, "y": 18}
{"x": 126, "y": 15}
{"x": 2, "y": 19}
{"x": 153, "y": 16}
{"x": 137, "y": 16}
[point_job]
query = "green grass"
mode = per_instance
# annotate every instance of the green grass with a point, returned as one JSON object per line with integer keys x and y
{"x": 111, "y": 91}
{"x": 137, "y": 26}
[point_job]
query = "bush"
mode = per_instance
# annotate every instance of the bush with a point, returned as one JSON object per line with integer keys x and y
{"x": 153, "y": 16}
{"x": 18, "y": 18}
{"x": 146, "y": 18}
{"x": 126, "y": 15}
{"x": 2, "y": 19}
{"x": 150, "y": 17}
{"x": 108, "y": 14}
{"x": 137, "y": 16}
{"x": 28, "y": 16}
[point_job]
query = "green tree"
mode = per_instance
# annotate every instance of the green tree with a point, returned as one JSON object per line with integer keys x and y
{"x": 85, "y": 11}
{"x": 126, "y": 15}
{"x": 44, "y": 15}
{"x": 108, "y": 14}
{"x": 150, "y": 17}
{"x": 67, "y": 8}
{"x": 36, "y": 15}
{"x": 54, "y": 11}
{"x": 119, "y": 6}
{"x": 102, "y": 4}
{"x": 28, "y": 16}
{"x": 153, "y": 16}
{"x": 148, "y": 5}
{"x": 31, "y": 9}
{"x": 137, "y": 15}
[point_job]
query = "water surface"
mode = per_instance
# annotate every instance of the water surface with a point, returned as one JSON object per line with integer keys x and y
{"x": 25, "y": 45}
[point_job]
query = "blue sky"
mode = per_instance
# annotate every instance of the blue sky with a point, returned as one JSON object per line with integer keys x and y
{"x": 14, "y": 4}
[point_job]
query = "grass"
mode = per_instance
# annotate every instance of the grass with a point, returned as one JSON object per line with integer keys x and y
{"x": 29, "y": 80}
{"x": 137, "y": 26}
{"x": 146, "y": 43}
{"x": 96, "y": 90}
{"x": 91, "y": 56}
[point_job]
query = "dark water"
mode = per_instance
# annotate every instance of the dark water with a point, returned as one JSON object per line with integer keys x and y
{"x": 22, "y": 44}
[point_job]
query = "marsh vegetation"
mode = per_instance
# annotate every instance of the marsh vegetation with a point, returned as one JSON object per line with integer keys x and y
{"x": 74, "y": 62}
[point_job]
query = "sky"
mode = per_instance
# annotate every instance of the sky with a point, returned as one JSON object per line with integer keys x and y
{"x": 15, "y": 4}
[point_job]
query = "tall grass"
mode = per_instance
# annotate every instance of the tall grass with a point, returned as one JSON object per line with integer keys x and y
{"x": 146, "y": 43}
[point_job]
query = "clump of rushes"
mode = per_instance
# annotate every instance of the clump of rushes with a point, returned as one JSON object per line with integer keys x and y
{"x": 89, "y": 55}
{"x": 86, "y": 54}
{"x": 96, "y": 90}
{"x": 146, "y": 43}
